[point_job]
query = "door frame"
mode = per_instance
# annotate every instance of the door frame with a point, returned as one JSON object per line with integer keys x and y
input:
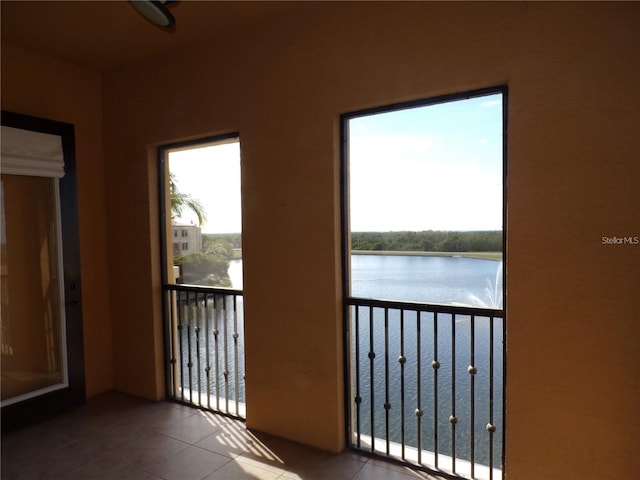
{"x": 38, "y": 408}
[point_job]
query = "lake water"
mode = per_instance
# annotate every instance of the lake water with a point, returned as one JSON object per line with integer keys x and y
{"x": 446, "y": 280}
{"x": 443, "y": 280}
{"x": 454, "y": 281}
{"x": 235, "y": 274}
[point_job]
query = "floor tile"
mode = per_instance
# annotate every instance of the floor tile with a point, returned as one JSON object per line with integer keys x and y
{"x": 275, "y": 452}
{"x": 117, "y": 437}
{"x": 23, "y": 446}
{"x": 324, "y": 466}
{"x": 108, "y": 470}
{"x": 191, "y": 429}
{"x": 161, "y": 415}
{"x": 380, "y": 471}
{"x": 240, "y": 469}
{"x": 51, "y": 464}
{"x": 192, "y": 463}
{"x": 274, "y": 466}
{"x": 145, "y": 450}
{"x": 232, "y": 439}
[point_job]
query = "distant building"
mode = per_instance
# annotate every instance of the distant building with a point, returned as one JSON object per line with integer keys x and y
{"x": 186, "y": 239}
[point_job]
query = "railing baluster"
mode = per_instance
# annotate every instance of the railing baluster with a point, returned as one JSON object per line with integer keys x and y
{"x": 504, "y": 382}
{"x": 372, "y": 356}
{"x": 190, "y": 364}
{"x": 472, "y": 372}
{"x": 196, "y": 308}
{"x": 207, "y": 327}
{"x": 180, "y": 308}
{"x": 419, "y": 411}
{"x": 436, "y": 366}
{"x": 453, "y": 419}
{"x": 226, "y": 353}
{"x": 358, "y": 398}
{"x": 402, "y": 360}
{"x": 216, "y": 341}
{"x": 387, "y": 403}
{"x": 173, "y": 327}
{"x": 491, "y": 427}
{"x": 235, "y": 353}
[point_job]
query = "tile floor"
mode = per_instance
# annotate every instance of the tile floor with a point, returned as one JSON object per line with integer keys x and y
{"x": 117, "y": 437}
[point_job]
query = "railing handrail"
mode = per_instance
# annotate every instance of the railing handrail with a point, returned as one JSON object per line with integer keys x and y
{"x": 186, "y": 287}
{"x": 425, "y": 307}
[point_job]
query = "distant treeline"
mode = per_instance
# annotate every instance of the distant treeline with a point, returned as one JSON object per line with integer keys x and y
{"x": 428, "y": 241}
{"x": 234, "y": 239}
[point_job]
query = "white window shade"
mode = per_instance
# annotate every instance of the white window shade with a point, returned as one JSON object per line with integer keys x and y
{"x": 36, "y": 154}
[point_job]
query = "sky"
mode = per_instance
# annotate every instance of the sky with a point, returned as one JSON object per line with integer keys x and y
{"x": 429, "y": 168}
{"x": 212, "y": 175}
{"x": 437, "y": 167}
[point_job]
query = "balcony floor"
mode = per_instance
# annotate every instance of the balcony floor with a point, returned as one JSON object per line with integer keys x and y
{"x": 117, "y": 437}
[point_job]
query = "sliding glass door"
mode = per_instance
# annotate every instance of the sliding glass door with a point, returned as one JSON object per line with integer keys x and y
{"x": 41, "y": 320}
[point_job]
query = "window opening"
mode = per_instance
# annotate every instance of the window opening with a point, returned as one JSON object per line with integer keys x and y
{"x": 424, "y": 281}
{"x": 204, "y": 193}
{"x": 202, "y": 243}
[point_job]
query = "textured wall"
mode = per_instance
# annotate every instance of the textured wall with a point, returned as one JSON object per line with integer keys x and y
{"x": 572, "y": 72}
{"x": 41, "y": 86}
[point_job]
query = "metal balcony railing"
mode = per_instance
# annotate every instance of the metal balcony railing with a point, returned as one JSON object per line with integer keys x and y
{"x": 427, "y": 385}
{"x": 205, "y": 347}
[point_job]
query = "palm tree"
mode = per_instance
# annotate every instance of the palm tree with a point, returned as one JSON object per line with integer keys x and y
{"x": 180, "y": 200}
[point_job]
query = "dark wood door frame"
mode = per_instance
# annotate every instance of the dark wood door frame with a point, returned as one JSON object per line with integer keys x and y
{"x": 53, "y": 403}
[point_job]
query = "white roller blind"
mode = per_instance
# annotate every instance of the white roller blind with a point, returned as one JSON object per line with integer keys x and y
{"x": 36, "y": 154}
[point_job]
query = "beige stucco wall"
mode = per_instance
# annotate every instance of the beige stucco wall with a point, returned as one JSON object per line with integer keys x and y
{"x": 573, "y": 177}
{"x": 41, "y": 86}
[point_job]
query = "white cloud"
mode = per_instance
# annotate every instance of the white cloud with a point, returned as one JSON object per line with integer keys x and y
{"x": 492, "y": 103}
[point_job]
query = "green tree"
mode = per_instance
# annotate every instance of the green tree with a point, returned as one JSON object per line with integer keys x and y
{"x": 204, "y": 269}
{"x": 181, "y": 200}
{"x": 219, "y": 248}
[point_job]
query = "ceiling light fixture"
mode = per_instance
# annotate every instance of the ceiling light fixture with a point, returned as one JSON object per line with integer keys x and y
{"x": 156, "y": 11}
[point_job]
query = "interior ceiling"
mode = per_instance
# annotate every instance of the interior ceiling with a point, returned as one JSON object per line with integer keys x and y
{"x": 108, "y": 34}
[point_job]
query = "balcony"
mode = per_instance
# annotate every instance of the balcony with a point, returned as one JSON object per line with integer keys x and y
{"x": 205, "y": 347}
{"x": 426, "y": 380}
{"x": 427, "y": 385}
